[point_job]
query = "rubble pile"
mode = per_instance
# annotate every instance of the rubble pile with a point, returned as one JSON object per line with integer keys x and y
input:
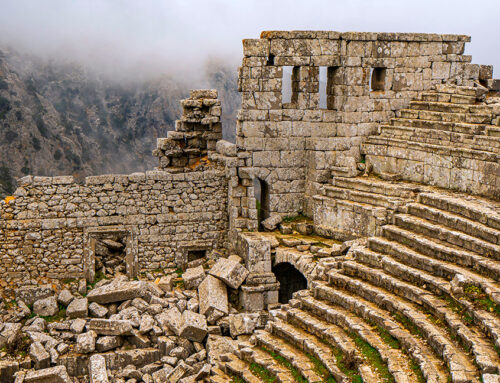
{"x": 123, "y": 331}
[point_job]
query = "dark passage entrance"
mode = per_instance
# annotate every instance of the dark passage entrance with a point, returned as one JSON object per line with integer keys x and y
{"x": 290, "y": 279}
{"x": 262, "y": 196}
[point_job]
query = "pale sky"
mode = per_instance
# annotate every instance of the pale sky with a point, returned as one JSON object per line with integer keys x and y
{"x": 177, "y": 36}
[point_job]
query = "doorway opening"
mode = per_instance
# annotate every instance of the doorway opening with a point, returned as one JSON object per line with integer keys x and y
{"x": 261, "y": 189}
{"x": 290, "y": 279}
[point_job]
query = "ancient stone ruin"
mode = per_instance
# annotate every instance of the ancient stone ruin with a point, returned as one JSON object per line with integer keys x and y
{"x": 351, "y": 234}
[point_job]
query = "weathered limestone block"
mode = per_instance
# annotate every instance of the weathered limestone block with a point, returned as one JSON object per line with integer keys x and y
{"x": 192, "y": 277}
{"x": 231, "y": 272}
{"x": 110, "y": 326}
{"x": 97, "y": 369}
{"x": 97, "y": 311}
{"x": 65, "y": 297}
{"x": 194, "y": 326}
{"x": 39, "y": 355}
{"x": 9, "y": 333}
{"x": 78, "y": 308}
{"x": 30, "y": 295}
{"x": 7, "y": 370}
{"x": 226, "y": 148}
{"x": 106, "y": 343}
{"x": 178, "y": 372}
{"x": 171, "y": 319}
{"x": 219, "y": 345}
{"x": 46, "y": 307}
{"x": 243, "y": 324}
{"x": 256, "y": 252}
{"x": 117, "y": 292}
{"x": 272, "y": 222}
{"x": 213, "y": 299}
{"x": 56, "y": 374}
{"x": 166, "y": 282}
{"x": 78, "y": 325}
{"x": 85, "y": 343}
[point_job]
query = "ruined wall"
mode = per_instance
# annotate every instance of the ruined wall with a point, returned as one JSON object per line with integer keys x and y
{"x": 45, "y": 231}
{"x": 296, "y": 146}
{"x": 50, "y": 230}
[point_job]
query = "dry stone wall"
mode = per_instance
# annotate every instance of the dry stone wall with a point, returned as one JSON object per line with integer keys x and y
{"x": 294, "y": 146}
{"x": 45, "y": 231}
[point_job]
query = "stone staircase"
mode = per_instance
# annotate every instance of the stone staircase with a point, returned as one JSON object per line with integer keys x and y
{"x": 448, "y": 138}
{"x": 419, "y": 302}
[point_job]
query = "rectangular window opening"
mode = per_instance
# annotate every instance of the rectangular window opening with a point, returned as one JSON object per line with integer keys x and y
{"x": 194, "y": 255}
{"x": 286, "y": 87}
{"x": 323, "y": 87}
{"x": 270, "y": 60}
{"x": 377, "y": 79}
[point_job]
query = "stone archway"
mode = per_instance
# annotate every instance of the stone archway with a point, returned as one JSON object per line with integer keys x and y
{"x": 290, "y": 279}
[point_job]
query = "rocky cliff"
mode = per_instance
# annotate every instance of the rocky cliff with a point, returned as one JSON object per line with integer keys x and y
{"x": 60, "y": 119}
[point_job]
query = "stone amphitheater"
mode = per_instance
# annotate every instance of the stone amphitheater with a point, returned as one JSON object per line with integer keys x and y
{"x": 351, "y": 234}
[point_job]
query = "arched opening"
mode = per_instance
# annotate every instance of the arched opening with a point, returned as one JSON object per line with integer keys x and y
{"x": 290, "y": 279}
{"x": 262, "y": 196}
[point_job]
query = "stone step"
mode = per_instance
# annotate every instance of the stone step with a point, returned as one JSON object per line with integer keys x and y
{"x": 424, "y": 133}
{"x": 352, "y": 312}
{"x": 331, "y": 333}
{"x": 379, "y": 145}
{"x": 438, "y": 250}
{"x": 457, "y": 127}
{"x": 442, "y": 138}
{"x": 447, "y": 235}
{"x": 241, "y": 369}
{"x": 262, "y": 358}
{"x": 218, "y": 376}
{"x": 480, "y": 210}
{"x": 296, "y": 357}
{"x": 461, "y": 368}
{"x": 308, "y": 343}
{"x": 460, "y": 90}
{"x": 482, "y": 348}
{"x": 472, "y": 118}
{"x": 455, "y": 221}
{"x": 447, "y": 97}
{"x": 436, "y": 106}
{"x": 377, "y": 186}
{"x": 441, "y": 269}
{"x": 363, "y": 197}
{"x": 412, "y": 275}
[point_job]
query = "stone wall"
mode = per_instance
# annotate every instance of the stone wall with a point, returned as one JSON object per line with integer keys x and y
{"x": 46, "y": 229}
{"x": 296, "y": 146}
{"x": 51, "y": 228}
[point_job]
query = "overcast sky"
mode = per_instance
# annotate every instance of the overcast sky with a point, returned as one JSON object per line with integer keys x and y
{"x": 155, "y": 36}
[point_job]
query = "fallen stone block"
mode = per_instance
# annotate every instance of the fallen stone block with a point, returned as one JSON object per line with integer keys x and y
{"x": 97, "y": 369}
{"x": 193, "y": 277}
{"x": 243, "y": 324}
{"x": 39, "y": 355}
{"x": 171, "y": 319}
{"x": 139, "y": 340}
{"x": 111, "y": 326}
{"x": 107, "y": 343}
{"x": 118, "y": 292}
{"x": 231, "y": 272}
{"x": 165, "y": 345}
{"x": 166, "y": 282}
{"x": 78, "y": 308}
{"x": 194, "y": 326}
{"x": 85, "y": 343}
{"x": 272, "y": 222}
{"x": 97, "y": 311}
{"x": 46, "y": 307}
{"x": 177, "y": 373}
{"x": 213, "y": 299}
{"x": 65, "y": 297}
{"x": 78, "y": 325}
{"x": 219, "y": 345}
{"x": 56, "y": 374}
{"x": 30, "y": 295}
{"x": 10, "y": 333}
{"x": 138, "y": 357}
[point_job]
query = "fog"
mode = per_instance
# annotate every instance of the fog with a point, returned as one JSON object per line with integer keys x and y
{"x": 138, "y": 38}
